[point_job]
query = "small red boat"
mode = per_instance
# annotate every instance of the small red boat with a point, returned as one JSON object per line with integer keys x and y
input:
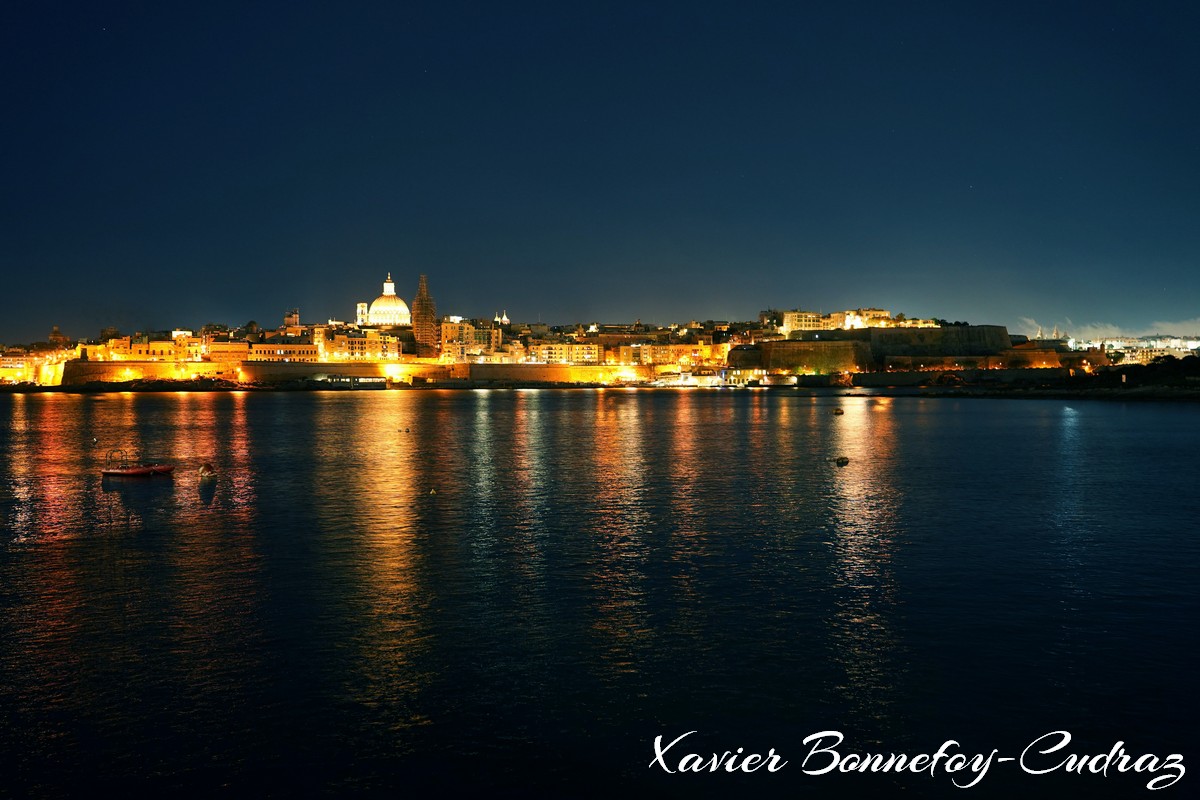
{"x": 118, "y": 464}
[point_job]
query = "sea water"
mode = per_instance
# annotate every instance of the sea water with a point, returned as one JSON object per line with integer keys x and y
{"x": 518, "y": 591}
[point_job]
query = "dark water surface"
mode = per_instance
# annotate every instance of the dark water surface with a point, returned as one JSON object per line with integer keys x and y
{"x": 517, "y": 591}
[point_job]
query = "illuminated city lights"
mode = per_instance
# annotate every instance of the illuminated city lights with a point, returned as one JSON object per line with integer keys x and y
{"x": 385, "y": 345}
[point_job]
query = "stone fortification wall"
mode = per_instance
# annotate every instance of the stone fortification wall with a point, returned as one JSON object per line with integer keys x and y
{"x": 816, "y": 356}
{"x": 954, "y": 340}
{"x": 76, "y": 373}
{"x": 743, "y": 357}
{"x": 80, "y": 372}
{"x": 284, "y": 371}
{"x": 557, "y": 373}
{"x": 267, "y": 372}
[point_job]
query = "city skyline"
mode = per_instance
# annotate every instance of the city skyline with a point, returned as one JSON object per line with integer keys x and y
{"x": 1014, "y": 165}
{"x": 293, "y": 317}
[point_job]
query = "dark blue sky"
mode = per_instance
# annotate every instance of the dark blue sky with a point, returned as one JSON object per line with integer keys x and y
{"x": 165, "y": 166}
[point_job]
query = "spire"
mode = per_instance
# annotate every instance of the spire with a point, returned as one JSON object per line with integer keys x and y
{"x": 425, "y": 327}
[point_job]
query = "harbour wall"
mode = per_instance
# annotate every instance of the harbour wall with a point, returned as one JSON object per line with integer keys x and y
{"x": 77, "y": 373}
{"x": 411, "y": 372}
{"x": 842, "y": 358}
{"x": 559, "y": 373}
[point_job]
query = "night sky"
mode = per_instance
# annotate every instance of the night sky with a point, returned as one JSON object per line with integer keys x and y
{"x": 165, "y": 166}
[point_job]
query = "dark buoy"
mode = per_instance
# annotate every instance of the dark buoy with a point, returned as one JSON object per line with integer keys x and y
{"x": 842, "y": 461}
{"x": 837, "y": 412}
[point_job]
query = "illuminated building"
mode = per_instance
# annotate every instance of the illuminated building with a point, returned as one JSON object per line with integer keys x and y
{"x": 858, "y": 319}
{"x": 228, "y": 351}
{"x": 16, "y": 366}
{"x": 145, "y": 350}
{"x": 284, "y": 350}
{"x": 562, "y": 353}
{"x": 368, "y": 345}
{"x": 183, "y": 346}
{"x": 462, "y": 339}
{"x": 388, "y": 310}
{"x": 804, "y": 321}
{"x": 682, "y": 354}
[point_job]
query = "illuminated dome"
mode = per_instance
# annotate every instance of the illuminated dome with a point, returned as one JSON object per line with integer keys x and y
{"x": 388, "y": 309}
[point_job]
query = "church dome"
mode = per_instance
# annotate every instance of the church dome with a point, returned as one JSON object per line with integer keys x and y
{"x": 388, "y": 309}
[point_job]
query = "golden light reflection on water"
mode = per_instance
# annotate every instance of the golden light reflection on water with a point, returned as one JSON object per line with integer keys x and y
{"x": 18, "y": 488}
{"x": 103, "y": 577}
{"x": 364, "y": 478}
{"x": 483, "y": 459}
{"x": 687, "y": 466}
{"x": 42, "y": 462}
{"x": 41, "y": 655}
{"x": 698, "y": 447}
{"x": 216, "y": 593}
{"x": 867, "y": 646}
{"x": 621, "y": 520}
{"x": 528, "y": 470}
{"x": 759, "y": 460}
{"x": 58, "y": 445}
